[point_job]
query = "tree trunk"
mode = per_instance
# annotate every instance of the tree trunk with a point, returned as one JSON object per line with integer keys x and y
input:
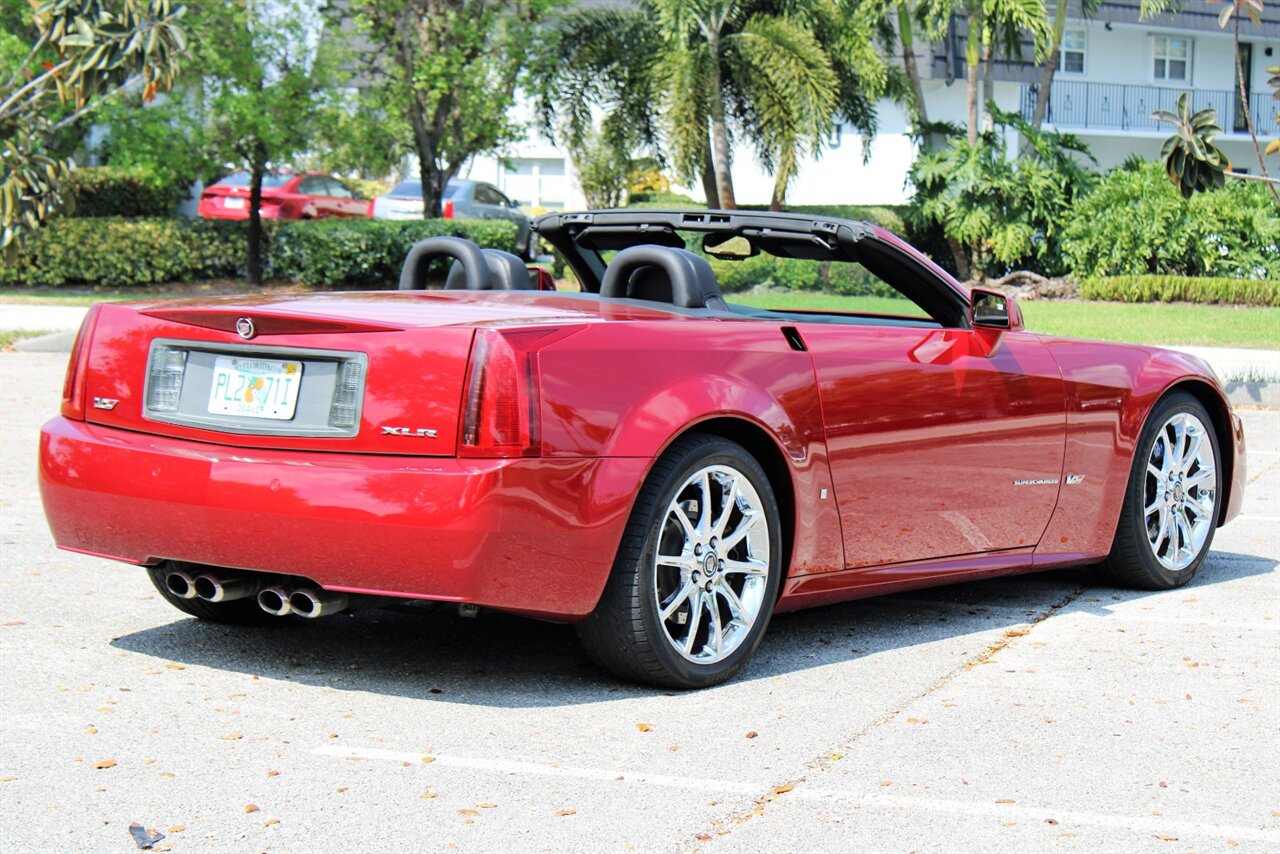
{"x": 961, "y": 258}
{"x": 257, "y": 166}
{"x": 988, "y": 83}
{"x": 1248, "y": 115}
{"x": 428, "y": 169}
{"x": 720, "y": 133}
{"x": 1050, "y": 65}
{"x": 709, "y": 177}
{"x": 907, "y": 38}
{"x": 972, "y": 58}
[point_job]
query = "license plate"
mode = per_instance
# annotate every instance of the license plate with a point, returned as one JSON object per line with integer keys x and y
{"x": 233, "y": 202}
{"x": 255, "y": 388}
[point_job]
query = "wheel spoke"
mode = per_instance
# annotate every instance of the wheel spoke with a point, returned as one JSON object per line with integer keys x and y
{"x": 1155, "y": 472}
{"x": 731, "y": 599}
{"x": 1193, "y": 452}
{"x": 744, "y": 528}
{"x": 690, "y": 533}
{"x": 1202, "y": 511}
{"x": 676, "y": 601}
{"x": 1201, "y": 477}
{"x": 1162, "y": 531}
{"x": 749, "y": 567}
{"x": 717, "y": 630}
{"x": 1184, "y": 537}
{"x": 1154, "y": 505}
{"x": 704, "y": 511}
{"x": 730, "y": 502}
{"x": 682, "y": 561}
{"x": 695, "y": 619}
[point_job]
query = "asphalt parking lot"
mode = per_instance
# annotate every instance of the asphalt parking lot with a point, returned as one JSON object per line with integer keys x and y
{"x": 1027, "y": 714}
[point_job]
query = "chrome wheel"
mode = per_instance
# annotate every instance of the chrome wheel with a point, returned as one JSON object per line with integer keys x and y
{"x": 712, "y": 564}
{"x": 1180, "y": 493}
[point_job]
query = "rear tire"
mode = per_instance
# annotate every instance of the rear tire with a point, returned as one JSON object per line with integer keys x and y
{"x": 240, "y": 612}
{"x": 1170, "y": 508}
{"x": 697, "y": 573}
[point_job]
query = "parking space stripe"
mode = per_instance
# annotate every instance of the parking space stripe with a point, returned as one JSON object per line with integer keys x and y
{"x": 808, "y": 793}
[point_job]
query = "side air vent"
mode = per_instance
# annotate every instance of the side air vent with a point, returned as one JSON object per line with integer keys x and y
{"x": 793, "y": 338}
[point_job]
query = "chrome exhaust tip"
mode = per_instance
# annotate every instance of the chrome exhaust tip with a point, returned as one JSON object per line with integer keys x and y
{"x": 312, "y": 603}
{"x": 181, "y": 584}
{"x": 214, "y": 588}
{"x": 275, "y": 600}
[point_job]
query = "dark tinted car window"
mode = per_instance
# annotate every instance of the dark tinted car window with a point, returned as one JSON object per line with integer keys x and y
{"x": 241, "y": 179}
{"x": 316, "y": 185}
{"x": 411, "y": 188}
{"x": 339, "y": 190}
{"x": 486, "y": 195}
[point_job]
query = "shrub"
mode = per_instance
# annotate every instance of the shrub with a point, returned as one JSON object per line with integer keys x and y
{"x": 369, "y": 253}
{"x": 113, "y": 252}
{"x": 1183, "y": 289}
{"x": 368, "y": 189}
{"x": 102, "y": 191}
{"x": 1135, "y": 222}
{"x": 797, "y": 274}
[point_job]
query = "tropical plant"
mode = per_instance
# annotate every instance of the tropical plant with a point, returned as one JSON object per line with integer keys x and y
{"x": 1000, "y": 213}
{"x": 604, "y": 170}
{"x": 1191, "y": 160}
{"x": 687, "y": 78}
{"x": 1231, "y": 15}
{"x": 85, "y": 51}
{"x": 448, "y": 69}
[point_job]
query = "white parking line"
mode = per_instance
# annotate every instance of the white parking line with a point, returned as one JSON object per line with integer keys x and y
{"x": 804, "y": 792}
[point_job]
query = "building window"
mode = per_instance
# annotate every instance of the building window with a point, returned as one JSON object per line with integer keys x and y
{"x": 1172, "y": 59}
{"x": 1071, "y": 53}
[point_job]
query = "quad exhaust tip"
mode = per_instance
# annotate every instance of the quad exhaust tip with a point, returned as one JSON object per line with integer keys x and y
{"x": 312, "y": 603}
{"x": 181, "y": 584}
{"x": 275, "y": 600}
{"x": 215, "y": 588}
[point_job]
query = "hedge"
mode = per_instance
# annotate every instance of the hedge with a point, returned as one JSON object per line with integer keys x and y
{"x": 1203, "y": 289}
{"x": 113, "y": 252}
{"x": 101, "y": 191}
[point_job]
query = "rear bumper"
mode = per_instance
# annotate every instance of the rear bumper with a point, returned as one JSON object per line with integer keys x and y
{"x": 533, "y": 536}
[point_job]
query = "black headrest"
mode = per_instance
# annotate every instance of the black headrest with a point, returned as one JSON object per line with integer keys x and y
{"x": 506, "y": 273}
{"x": 662, "y": 274}
{"x": 413, "y": 276}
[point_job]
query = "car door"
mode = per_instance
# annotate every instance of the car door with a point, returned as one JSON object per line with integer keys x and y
{"x": 344, "y": 200}
{"x": 317, "y": 203}
{"x": 942, "y": 442}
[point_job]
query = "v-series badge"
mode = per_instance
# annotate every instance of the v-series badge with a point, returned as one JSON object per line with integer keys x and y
{"x": 420, "y": 432}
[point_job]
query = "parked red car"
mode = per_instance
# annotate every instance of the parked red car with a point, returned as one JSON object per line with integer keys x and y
{"x": 284, "y": 196}
{"x": 646, "y": 459}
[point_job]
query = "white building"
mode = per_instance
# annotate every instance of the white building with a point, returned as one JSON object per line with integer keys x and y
{"x": 1115, "y": 69}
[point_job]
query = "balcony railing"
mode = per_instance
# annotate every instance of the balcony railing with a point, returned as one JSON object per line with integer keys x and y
{"x": 1117, "y": 106}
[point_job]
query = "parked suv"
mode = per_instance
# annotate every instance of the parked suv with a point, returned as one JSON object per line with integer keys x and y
{"x": 463, "y": 199}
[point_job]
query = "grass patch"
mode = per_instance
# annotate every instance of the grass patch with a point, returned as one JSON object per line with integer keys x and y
{"x": 9, "y": 337}
{"x": 1139, "y": 323}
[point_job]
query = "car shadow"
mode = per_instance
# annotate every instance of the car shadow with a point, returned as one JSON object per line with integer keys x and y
{"x": 509, "y": 662}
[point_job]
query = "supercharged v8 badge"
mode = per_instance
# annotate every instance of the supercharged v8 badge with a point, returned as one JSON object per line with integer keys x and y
{"x": 1037, "y": 481}
{"x": 412, "y": 432}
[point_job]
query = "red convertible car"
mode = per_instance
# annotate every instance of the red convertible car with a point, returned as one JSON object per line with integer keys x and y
{"x": 645, "y": 459}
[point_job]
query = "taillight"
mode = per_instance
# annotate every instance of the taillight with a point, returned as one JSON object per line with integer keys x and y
{"x": 447, "y": 212}
{"x": 73, "y": 386}
{"x": 501, "y": 415}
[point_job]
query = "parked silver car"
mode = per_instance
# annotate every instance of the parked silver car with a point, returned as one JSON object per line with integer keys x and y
{"x": 463, "y": 199}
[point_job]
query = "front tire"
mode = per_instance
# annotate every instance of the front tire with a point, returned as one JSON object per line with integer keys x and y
{"x": 697, "y": 573}
{"x": 1170, "y": 510}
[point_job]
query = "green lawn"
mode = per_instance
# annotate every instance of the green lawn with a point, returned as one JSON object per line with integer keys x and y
{"x": 1141, "y": 323}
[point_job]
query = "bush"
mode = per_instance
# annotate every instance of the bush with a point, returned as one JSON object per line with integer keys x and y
{"x": 1183, "y": 289}
{"x": 102, "y": 191}
{"x": 369, "y": 253}
{"x": 112, "y": 252}
{"x": 797, "y": 274}
{"x": 1135, "y": 222}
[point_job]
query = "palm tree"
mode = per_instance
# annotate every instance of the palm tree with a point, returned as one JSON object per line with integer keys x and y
{"x": 686, "y": 76}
